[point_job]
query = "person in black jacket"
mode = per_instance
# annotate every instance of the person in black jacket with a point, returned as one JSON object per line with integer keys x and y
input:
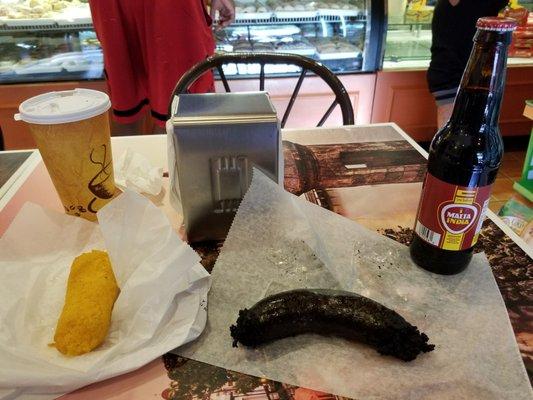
{"x": 453, "y": 28}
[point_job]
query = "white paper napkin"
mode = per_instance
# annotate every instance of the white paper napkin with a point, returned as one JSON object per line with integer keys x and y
{"x": 162, "y": 303}
{"x": 134, "y": 171}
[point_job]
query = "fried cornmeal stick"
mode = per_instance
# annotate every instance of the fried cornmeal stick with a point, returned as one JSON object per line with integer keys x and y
{"x": 91, "y": 293}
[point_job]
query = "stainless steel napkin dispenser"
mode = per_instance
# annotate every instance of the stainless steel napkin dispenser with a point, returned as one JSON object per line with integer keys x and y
{"x": 215, "y": 141}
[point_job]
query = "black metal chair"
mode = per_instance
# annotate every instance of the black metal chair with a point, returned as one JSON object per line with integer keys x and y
{"x": 306, "y": 64}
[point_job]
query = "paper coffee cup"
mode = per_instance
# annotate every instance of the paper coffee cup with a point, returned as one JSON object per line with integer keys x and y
{"x": 71, "y": 129}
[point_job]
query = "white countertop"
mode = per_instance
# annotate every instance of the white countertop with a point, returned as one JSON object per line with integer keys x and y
{"x": 422, "y": 65}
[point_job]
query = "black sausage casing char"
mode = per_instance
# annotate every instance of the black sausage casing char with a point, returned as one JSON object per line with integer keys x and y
{"x": 329, "y": 312}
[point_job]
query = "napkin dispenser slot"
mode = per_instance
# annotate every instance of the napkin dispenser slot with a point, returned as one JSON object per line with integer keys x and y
{"x": 230, "y": 178}
{"x": 216, "y": 141}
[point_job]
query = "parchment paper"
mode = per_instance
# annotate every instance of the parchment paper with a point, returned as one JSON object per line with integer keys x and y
{"x": 272, "y": 246}
{"x": 161, "y": 304}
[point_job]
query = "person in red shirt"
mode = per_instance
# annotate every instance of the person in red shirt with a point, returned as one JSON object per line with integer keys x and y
{"x": 148, "y": 45}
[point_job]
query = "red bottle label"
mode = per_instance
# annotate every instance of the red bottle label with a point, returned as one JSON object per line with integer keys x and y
{"x": 450, "y": 216}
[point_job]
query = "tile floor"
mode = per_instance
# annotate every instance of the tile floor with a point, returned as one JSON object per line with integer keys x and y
{"x": 510, "y": 171}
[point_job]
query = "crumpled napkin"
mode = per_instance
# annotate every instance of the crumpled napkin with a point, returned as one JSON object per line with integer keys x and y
{"x": 162, "y": 303}
{"x": 134, "y": 171}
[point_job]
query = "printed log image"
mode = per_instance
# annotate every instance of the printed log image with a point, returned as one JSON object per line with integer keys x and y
{"x": 194, "y": 380}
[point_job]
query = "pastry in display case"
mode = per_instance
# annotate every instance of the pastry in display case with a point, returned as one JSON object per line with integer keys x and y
{"x": 418, "y": 12}
{"x": 43, "y": 9}
{"x": 53, "y": 40}
{"x": 280, "y": 7}
{"x": 522, "y": 40}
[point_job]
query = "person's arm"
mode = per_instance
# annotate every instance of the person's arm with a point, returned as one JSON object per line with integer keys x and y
{"x": 226, "y": 12}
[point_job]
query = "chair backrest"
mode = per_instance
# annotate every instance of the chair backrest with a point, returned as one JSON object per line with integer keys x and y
{"x": 342, "y": 98}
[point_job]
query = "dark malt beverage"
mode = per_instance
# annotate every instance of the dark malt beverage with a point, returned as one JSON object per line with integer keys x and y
{"x": 464, "y": 158}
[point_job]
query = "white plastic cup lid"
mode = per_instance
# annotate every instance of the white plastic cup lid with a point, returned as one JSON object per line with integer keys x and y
{"x": 62, "y": 107}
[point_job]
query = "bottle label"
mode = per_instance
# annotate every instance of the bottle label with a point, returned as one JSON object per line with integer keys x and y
{"x": 449, "y": 216}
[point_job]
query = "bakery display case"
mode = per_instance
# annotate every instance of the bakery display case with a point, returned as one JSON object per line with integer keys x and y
{"x": 47, "y": 40}
{"x": 409, "y": 30}
{"x": 401, "y": 93}
{"x": 345, "y": 35}
{"x": 408, "y": 35}
{"x": 53, "y": 40}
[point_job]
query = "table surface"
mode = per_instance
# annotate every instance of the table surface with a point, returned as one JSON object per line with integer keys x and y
{"x": 13, "y": 164}
{"x": 366, "y": 164}
{"x": 10, "y": 163}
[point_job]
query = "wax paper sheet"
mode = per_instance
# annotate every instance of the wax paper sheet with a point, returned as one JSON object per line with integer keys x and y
{"x": 161, "y": 304}
{"x": 280, "y": 242}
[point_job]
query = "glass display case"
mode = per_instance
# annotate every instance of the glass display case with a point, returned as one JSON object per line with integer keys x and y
{"x": 409, "y": 31}
{"x": 53, "y": 40}
{"x": 336, "y": 32}
{"x": 47, "y": 40}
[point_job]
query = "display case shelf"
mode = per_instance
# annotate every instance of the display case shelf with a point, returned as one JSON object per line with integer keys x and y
{"x": 302, "y": 17}
{"x": 400, "y": 25}
{"x": 408, "y": 45}
{"x": 273, "y": 18}
{"x": 54, "y": 25}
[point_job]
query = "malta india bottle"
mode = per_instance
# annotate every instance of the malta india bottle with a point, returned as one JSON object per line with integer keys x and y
{"x": 464, "y": 158}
